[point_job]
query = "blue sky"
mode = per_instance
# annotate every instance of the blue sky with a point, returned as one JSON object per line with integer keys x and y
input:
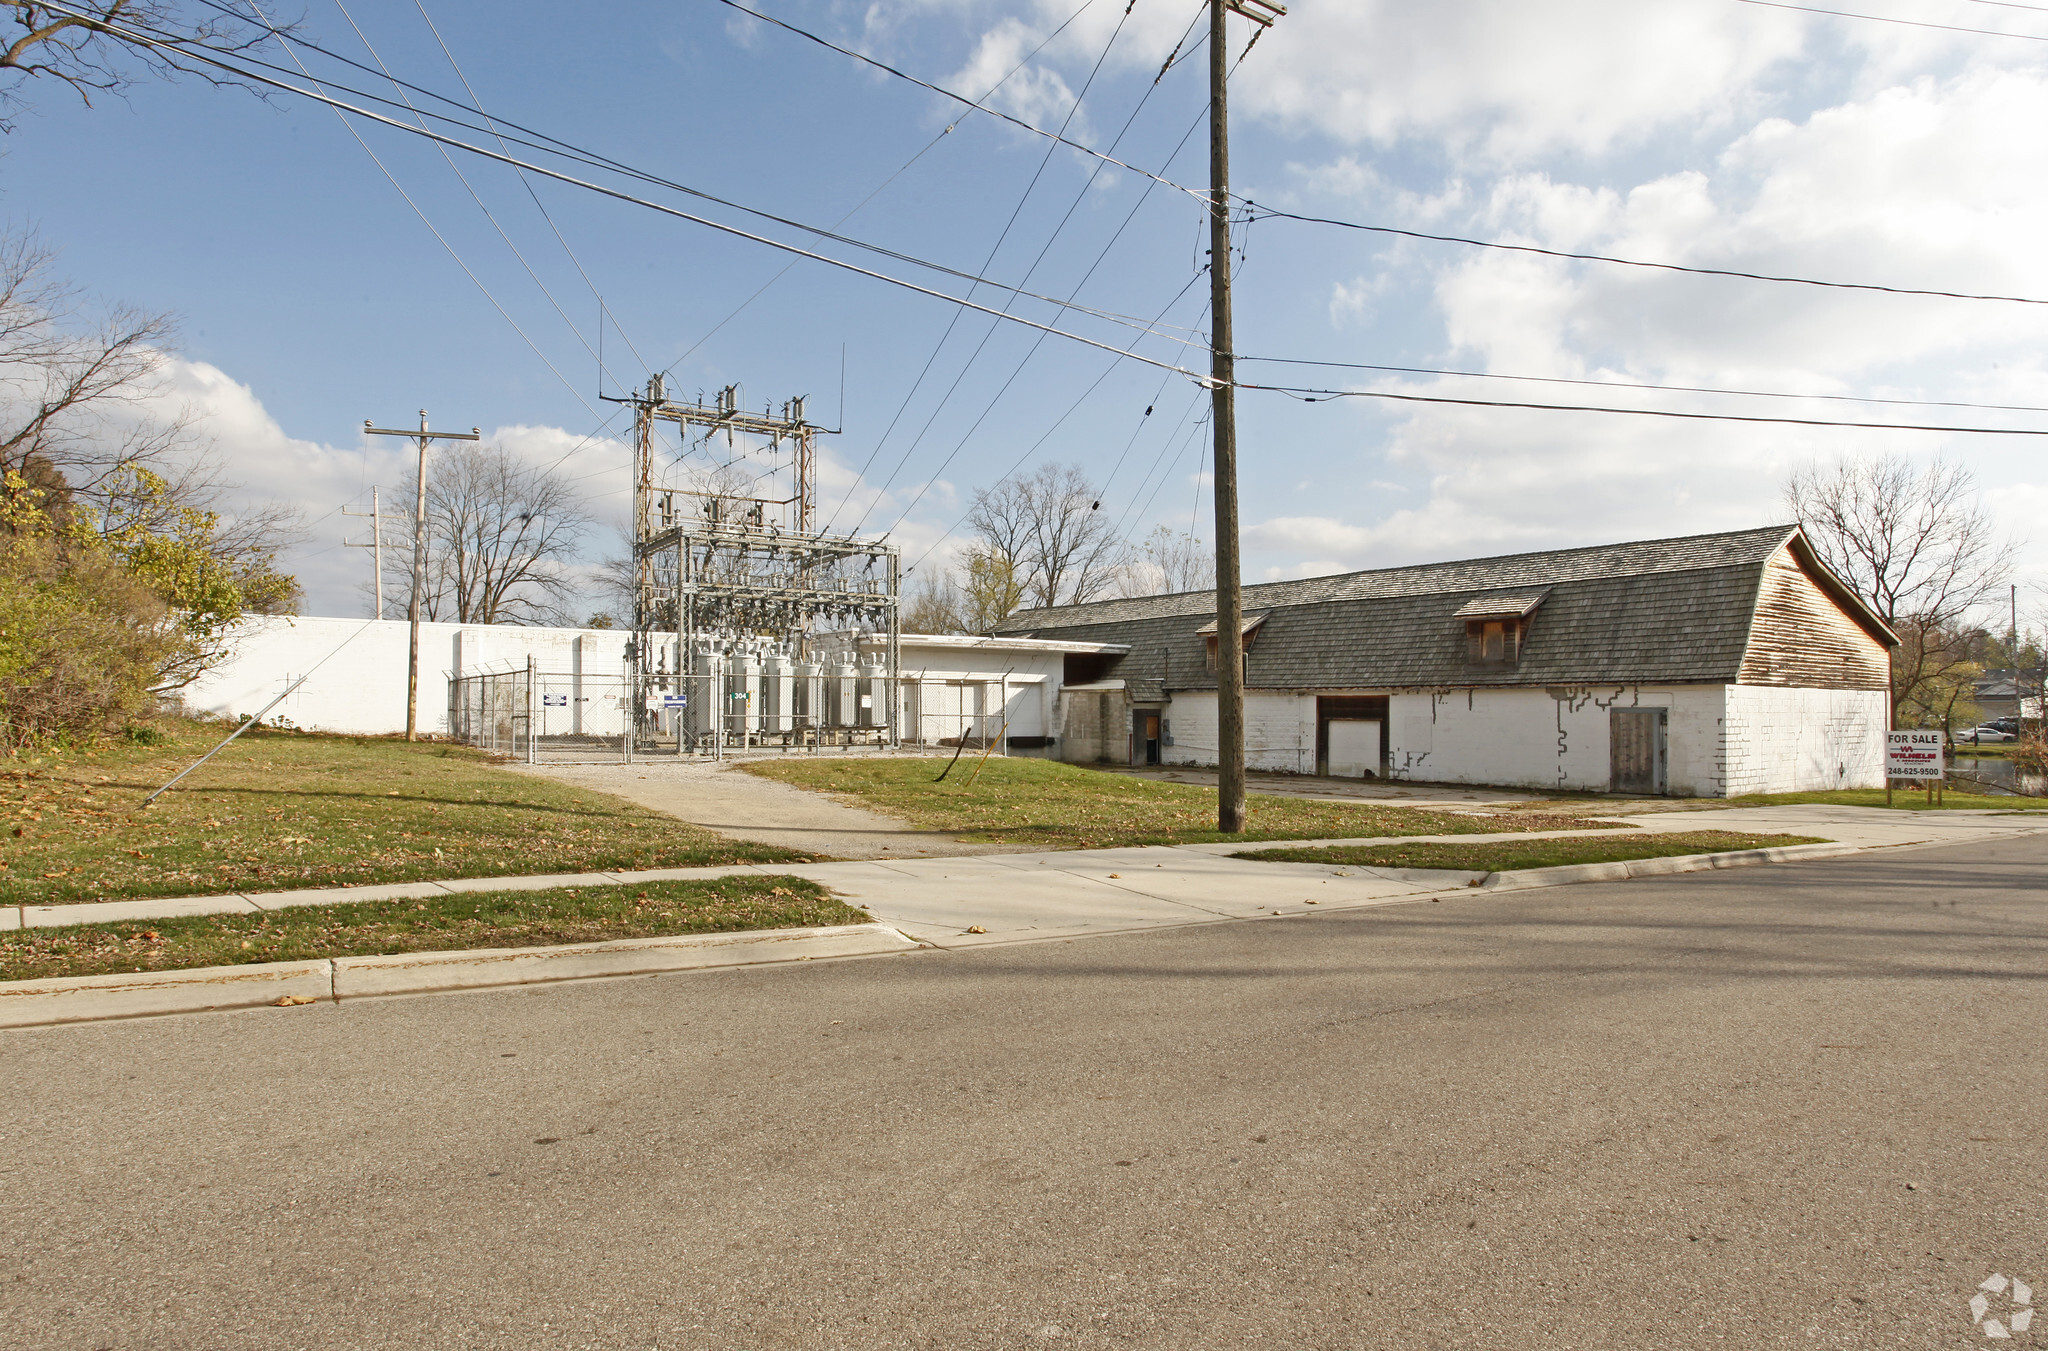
{"x": 1706, "y": 132}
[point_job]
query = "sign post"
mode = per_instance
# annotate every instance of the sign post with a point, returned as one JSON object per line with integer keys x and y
{"x": 1917, "y": 757}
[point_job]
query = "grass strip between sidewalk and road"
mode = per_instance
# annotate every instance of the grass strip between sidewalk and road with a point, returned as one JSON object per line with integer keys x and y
{"x": 282, "y": 810}
{"x": 464, "y": 920}
{"x": 1508, "y": 855}
{"x": 1044, "y": 802}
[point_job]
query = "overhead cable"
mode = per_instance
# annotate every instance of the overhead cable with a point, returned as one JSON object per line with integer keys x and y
{"x": 1319, "y": 395}
{"x": 173, "y": 44}
{"x": 1045, "y": 161}
{"x": 477, "y": 103}
{"x": 1907, "y": 23}
{"x": 1662, "y": 389}
{"x": 129, "y": 34}
{"x": 1274, "y": 213}
{"x": 319, "y": 96}
{"x": 904, "y": 168}
{"x": 552, "y": 145}
{"x": 1197, "y": 193}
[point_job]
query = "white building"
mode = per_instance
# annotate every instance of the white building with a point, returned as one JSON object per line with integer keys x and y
{"x": 984, "y": 689}
{"x": 1712, "y": 665}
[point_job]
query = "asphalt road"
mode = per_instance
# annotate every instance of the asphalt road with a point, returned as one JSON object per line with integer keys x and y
{"x": 1804, "y": 1105}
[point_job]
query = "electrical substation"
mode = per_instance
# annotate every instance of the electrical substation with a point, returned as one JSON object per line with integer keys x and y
{"x": 751, "y": 626}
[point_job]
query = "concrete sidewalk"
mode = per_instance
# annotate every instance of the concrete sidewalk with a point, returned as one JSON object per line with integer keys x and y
{"x": 1058, "y": 894}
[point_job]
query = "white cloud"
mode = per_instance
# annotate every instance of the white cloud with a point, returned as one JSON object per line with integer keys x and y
{"x": 1501, "y": 78}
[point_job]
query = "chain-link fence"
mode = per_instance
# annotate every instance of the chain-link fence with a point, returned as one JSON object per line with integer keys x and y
{"x": 558, "y": 716}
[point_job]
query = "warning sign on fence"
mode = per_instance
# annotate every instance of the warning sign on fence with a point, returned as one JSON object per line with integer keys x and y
{"x": 1914, "y": 755}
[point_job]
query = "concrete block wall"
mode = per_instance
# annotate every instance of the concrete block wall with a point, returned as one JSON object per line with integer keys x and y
{"x": 1803, "y": 740}
{"x": 1094, "y": 725}
{"x": 1191, "y": 724}
{"x": 1552, "y": 739}
{"x": 358, "y": 668}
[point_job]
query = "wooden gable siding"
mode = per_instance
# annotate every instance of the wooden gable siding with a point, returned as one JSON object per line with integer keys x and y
{"x": 1801, "y": 637}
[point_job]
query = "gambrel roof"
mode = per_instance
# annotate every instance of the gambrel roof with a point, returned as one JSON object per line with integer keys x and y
{"x": 1671, "y": 611}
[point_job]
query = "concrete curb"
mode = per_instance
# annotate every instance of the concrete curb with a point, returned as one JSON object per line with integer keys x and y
{"x": 80, "y": 999}
{"x": 427, "y": 972}
{"x": 1524, "y": 878}
{"x": 86, "y": 999}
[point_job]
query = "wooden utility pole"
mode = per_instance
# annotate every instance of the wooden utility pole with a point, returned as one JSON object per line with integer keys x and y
{"x": 419, "y": 557}
{"x": 1230, "y": 802}
{"x": 374, "y": 543}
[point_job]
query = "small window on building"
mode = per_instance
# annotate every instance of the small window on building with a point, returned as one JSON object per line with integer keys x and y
{"x": 1493, "y": 642}
{"x": 1253, "y": 623}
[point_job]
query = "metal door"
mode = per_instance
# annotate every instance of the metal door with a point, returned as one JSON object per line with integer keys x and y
{"x": 1353, "y": 748}
{"x": 1636, "y": 749}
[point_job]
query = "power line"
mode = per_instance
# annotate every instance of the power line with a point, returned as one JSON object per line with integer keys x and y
{"x": 567, "y": 150}
{"x": 1023, "y": 198}
{"x": 319, "y": 96}
{"x": 1038, "y": 342}
{"x": 477, "y": 103}
{"x": 452, "y": 253}
{"x": 1319, "y": 395}
{"x": 1908, "y": 23}
{"x": 174, "y": 44}
{"x": 468, "y": 187}
{"x": 1273, "y": 213}
{"x": 1669, "y": 389}
{"x": 879, "y": 189}
{"x": 961, "y": 98}
{"x": 1451, "y": 239}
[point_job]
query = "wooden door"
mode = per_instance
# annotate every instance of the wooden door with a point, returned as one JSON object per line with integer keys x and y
{"x": 1636, "y": 750}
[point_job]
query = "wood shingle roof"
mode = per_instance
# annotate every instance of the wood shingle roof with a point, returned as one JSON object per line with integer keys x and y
{"x": 1676, "y": 611}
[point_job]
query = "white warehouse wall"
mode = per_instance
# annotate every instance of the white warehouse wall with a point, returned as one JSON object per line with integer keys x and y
{"x": 357, "y": 681}
{"x": 1719, "y": 739}
{"x": 1551, "y": 739}
{"x": 358, "y": 668}
{"x": 1800, "y": 741}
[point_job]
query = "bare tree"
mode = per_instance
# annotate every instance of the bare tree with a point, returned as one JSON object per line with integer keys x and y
{"x": 78, "y": 391}
{"x": 1045, "y": 536}
{"x": 501, "y": 541}
{"x": 932, "y": 603}
{"x": 1917, "y": 545}
{"x": 1172, "y": 562}
{"x": 103, "y": 46}
{"x": 74, "y": 387}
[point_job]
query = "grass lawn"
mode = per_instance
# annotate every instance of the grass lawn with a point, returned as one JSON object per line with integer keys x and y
{"x": 478, "y": 919}
{"x": 1903, "y": 799}
{"x": 278, "y": 810}
{"x": 1505, "y": 855}
{"x": 1044, "y": 802}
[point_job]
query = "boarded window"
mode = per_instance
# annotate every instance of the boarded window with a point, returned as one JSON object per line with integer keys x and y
{"x": 1493, "y": 642}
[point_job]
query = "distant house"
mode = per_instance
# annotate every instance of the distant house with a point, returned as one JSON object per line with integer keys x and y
{"x": 1710, "y": 665}
{"x": 2006, "y": 693}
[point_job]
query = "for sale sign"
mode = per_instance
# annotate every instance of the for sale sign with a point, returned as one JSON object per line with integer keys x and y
{"x": 1914, "y": 755}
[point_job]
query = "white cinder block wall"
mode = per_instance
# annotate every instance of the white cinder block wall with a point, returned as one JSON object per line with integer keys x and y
{"x": 358, "y": 671}
{"x": 1555, "y": 739}
{"x": 358, "y": 668}
{"x": 1797, "y": 741}
{"x": 1719, "y": 739}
